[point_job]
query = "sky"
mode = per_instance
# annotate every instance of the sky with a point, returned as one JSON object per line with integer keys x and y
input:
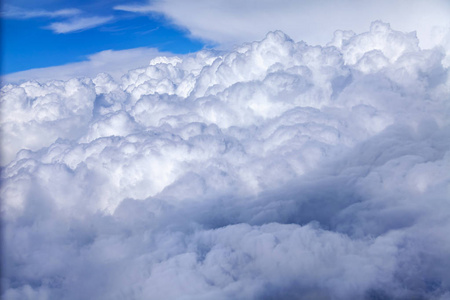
{"x": 284, "y": 150}
{"x": 63, "y": 32}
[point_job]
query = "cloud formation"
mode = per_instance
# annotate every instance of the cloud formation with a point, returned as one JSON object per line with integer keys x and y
{"x": 277, "y": 170}
{"x": 73, "y": 19}
{"x": 234, "y": 21}
{"x": 14, "y": 12}
{"x": 114, "y": 62}
{"x": 78, "y": 24}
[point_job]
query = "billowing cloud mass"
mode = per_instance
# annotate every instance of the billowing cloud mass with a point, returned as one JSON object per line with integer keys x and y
{"x": 277, "y": 170}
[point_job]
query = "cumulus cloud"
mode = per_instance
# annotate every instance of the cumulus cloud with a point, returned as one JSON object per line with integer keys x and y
{"x": 235, "y": 21}
{"x": 277, "y": 170}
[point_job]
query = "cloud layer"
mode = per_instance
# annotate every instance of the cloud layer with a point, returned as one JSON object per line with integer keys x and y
{"x": 234, "y": 21}
{"x": 114, "y": 62}
{"x": 277, "y": 170}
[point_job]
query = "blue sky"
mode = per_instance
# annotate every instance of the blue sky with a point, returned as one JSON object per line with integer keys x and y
{"x": 32, "y": 38}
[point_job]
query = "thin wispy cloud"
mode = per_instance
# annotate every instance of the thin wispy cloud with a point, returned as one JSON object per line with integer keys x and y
{"x": 68, "y": 20}
{"x": 13, "y": 12}
{"x": 78, "y": 24}
{"x": 135, "y": 8}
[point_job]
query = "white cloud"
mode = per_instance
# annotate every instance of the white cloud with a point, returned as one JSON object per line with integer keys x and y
{"x": 78, "y": 24}
{"x": 236, "y": 21}
{"x": 277, "y": 170}
{"x": 114, "y": 62}
{"x": 134, "y": 8}
{"x": 73, "y": 21}
{"x": 13, "y": 12}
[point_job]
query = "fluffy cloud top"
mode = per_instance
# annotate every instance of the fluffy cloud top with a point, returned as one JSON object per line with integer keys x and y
{"x": 278, "y": 170}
